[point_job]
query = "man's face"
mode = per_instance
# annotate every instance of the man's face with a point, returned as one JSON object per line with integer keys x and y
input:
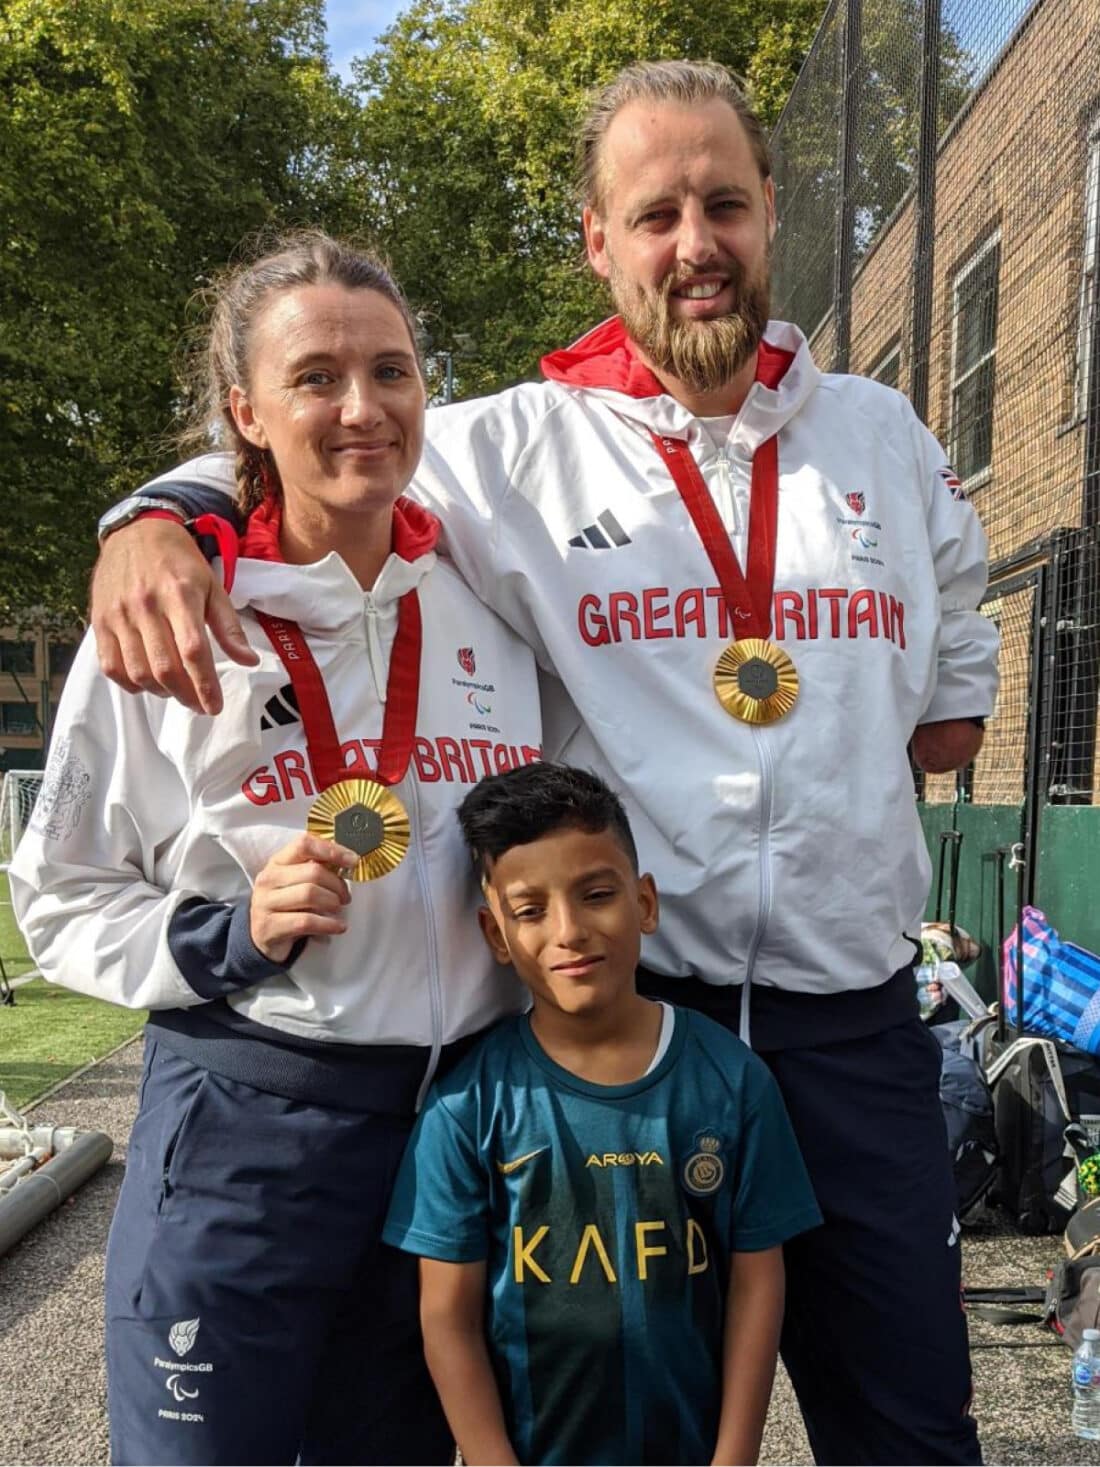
{"x": 682, "y": 235}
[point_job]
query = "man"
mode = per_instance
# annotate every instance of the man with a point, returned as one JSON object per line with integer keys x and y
{"x": 754, "y": 707}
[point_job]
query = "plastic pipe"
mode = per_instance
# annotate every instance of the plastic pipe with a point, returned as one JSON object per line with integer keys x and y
{"x": 15, "y": 1141}
{"x": 36, "y": 1196}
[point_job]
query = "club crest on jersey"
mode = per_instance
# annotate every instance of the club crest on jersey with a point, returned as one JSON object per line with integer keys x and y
{"x": 856, "y": 501}
{"x": 951, "y": 481}
{"x": 466, "y": 661}
{"x": 705, "y": 1169}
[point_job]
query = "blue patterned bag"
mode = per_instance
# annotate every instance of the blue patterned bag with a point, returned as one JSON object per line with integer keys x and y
{"x": 1061, "y": 985}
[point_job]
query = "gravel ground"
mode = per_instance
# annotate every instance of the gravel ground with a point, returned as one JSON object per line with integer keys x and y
{"x": 51, "y": 1320}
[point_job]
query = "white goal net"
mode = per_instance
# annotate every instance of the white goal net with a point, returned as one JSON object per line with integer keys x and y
{"x": 18, "y": 793}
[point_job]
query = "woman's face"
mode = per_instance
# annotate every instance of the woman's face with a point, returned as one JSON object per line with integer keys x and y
{"x": 336, "y": 396}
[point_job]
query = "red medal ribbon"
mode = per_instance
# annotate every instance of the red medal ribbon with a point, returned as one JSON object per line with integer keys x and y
{"x": 749, "y": 600}
{"x": 227, "y": 541}
{"x": 402, "y": 698}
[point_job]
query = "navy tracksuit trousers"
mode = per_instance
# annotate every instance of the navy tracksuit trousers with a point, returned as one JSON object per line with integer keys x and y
{"x": 253, "y": 1315}
{"x": 874, "y": 1335}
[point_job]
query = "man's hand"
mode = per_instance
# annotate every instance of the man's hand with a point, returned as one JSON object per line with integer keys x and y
{"x": 153, "y": 594}
{"x": 940, "y": 747}
{"x": 298, "y": 894}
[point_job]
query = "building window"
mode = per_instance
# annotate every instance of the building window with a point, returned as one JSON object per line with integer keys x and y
{"x": 17, "y": 657}
{"x": 888, "y": 367}
{"x": 1090, "y": 268}
{"x": 973, "y": 349}
{"x": 17, "y": 718}
{"x": 61, "y": 657}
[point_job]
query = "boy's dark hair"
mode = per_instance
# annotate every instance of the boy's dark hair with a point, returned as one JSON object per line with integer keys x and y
{"x": 523, "y": 805}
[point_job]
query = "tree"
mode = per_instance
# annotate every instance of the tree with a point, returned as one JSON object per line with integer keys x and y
{"x": 463, "y": 159}
{"x": 806, "y": 145}
{"x": 140, "y": 141}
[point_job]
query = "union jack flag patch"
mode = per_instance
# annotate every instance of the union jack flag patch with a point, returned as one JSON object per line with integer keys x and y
{"x": 952, "y": 480}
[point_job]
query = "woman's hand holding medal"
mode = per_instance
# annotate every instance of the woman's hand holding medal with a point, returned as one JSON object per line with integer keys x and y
{"x": 300, "y": 894}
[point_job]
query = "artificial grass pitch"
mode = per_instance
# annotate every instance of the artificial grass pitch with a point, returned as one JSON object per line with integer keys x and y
{"x": 12, "y": 949}
{"x": 50, "y": 1031}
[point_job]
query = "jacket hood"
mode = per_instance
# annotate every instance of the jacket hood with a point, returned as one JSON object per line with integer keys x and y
{"x": 325, "y": 596}
{"x": 606, "y": 362}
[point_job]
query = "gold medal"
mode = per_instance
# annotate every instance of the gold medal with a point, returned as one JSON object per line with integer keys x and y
{"x": 366, "y": 817}
{"x": 756, "y": 681}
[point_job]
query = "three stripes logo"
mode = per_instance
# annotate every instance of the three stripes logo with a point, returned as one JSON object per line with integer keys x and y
{"x": 603, "y": 535}
{"x": 280, "y": 709}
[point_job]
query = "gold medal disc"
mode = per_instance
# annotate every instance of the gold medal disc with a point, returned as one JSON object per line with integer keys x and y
{"x": 756, "y": 681}
{"x": 366, "y": 817}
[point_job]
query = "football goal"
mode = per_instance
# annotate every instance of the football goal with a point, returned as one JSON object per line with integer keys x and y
{"x": 18, "y": 793}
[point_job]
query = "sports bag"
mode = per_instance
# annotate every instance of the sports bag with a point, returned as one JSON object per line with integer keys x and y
{"x": 1071, "y": 1300}
{"x": 1069, "y": 1305}
{"x": 1072, "y": 1303}
{"x": 968, "y": 1114}
{"x": 1039, "y": 1088}
{"x": 1061, "y": 984}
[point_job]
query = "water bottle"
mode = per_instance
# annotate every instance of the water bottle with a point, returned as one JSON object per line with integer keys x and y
{"x": 929, "y": 992}
{"x": 1086, "y": 1387}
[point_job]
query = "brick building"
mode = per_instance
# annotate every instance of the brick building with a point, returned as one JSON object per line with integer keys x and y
{"x": 33, "y": 665}
{"x": 964, "y": 269}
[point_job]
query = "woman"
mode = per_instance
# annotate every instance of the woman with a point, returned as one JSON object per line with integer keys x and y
{"x": 297, "y": 1016}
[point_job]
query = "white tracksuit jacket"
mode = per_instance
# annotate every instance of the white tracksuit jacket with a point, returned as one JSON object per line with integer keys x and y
{"x": 788, "y": 855}
{"x": 146, "y": 807}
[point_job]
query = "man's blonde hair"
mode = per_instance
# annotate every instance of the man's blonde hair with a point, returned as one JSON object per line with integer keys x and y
{"x": 683, "y": 82}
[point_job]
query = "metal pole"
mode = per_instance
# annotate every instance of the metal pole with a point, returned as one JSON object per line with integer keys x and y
{"x": 953, "y": 885}
{"x": 1083, "y": 674}
{"x": 849, "y": 162}
{"x": 924, "y": 242}
{"x": 1037, "y": 768}
{"x": 1022, "y": 877}
{"x": 449, "y": 381}
{"x": 1000, "y": 854}
{"x": 1090, "y": 508}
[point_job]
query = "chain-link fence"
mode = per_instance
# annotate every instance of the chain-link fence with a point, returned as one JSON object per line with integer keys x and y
{"x": 955, "y": 145}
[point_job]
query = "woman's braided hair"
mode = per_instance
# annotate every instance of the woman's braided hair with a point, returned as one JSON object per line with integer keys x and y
{"x": 233, "y": 303}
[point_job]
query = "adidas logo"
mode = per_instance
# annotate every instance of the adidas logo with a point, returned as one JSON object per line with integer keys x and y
{"x": 594, "y": 538}
{"x": 280, "y": 709}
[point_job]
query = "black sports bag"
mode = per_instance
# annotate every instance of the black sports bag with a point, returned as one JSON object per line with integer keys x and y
{"x": 1040, "y": 1086}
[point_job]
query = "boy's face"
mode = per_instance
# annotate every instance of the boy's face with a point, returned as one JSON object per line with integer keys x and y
{"x": 568, "y": 912}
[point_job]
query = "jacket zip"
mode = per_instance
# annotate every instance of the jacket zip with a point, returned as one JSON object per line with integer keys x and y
{"x": 726, "y": 506}
{"x": 764, "y": 908}
{"x": 727, "y": 509}
{"x": 377, "y": 662}
{"x": 435, "y": 993}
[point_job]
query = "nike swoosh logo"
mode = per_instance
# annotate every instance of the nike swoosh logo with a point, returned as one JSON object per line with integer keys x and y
{"x": 505, "y": 1168}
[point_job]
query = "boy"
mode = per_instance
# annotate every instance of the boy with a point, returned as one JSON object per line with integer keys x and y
{"x": 591, "y": 1185}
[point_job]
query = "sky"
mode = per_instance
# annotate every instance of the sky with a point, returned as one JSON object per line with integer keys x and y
{"x": 355, "y": 25}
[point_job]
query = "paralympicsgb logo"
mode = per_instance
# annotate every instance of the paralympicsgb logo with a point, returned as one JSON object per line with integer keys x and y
{"x": 183, "y": 1335}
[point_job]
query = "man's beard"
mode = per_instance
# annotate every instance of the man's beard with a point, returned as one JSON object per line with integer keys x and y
{"x": 702, "y": 354}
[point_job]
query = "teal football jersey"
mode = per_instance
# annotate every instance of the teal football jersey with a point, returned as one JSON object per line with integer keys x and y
{"x": 606, "y": 1215}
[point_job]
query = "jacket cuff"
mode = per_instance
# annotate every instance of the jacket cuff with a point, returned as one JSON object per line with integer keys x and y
{"x": 211, "y": 944}
{"x": 194, "y": 500}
